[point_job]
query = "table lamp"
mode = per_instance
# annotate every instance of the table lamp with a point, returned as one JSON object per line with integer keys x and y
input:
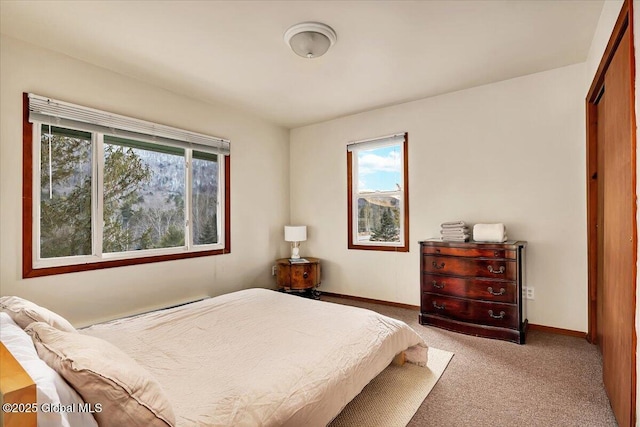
{"x": 295, "y": 234}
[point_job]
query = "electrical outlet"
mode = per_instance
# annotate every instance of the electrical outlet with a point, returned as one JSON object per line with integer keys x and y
{"x": 273, "y": 270}
{"x": 529, "y": 292}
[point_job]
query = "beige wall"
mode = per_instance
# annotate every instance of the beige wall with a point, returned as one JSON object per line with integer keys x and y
{"x": 510, "y": 152}
{"x": 259, "y": 202}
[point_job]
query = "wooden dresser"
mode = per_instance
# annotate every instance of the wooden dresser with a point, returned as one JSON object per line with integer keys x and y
{"x": 474, "y": 288}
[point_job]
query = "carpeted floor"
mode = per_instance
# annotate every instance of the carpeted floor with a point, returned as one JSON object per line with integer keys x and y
{"x": 552, "y": 380}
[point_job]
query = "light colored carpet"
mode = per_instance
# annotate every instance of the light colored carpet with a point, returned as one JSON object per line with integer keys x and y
{"x": 393, "y": 397}
{"x": 552, "y": 380}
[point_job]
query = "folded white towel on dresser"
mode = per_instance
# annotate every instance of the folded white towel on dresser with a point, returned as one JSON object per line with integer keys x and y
{"x": 496, "y": 233}
{"x": 457, "y": 230}
{"x": 453, "y": 224}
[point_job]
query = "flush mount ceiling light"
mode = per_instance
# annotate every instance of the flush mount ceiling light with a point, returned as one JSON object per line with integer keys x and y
{"x": 310, "y": 39}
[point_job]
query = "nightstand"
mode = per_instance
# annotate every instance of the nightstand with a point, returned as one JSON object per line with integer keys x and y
{"x": 302, "y": 278}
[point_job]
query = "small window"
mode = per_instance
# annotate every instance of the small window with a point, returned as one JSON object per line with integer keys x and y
{"x": 102, "y": 190}
{"x": 378, "y": 202}
{"x": 204, "y": 198}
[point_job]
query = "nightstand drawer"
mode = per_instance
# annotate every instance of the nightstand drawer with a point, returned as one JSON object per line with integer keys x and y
{"x": 478, "y": 312}
{"x": 298, "y": 276}
{"x": 480, "y": 289}
{"x": 473, "y": 267}
{"x": 304, "y": 276}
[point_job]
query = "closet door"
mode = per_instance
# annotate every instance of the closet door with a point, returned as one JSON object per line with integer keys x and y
{"x": 600, "y": 224}
{"x": 616, "y": 301}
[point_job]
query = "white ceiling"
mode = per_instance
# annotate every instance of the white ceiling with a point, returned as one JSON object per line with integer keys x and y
{"x": 387, "y": 52}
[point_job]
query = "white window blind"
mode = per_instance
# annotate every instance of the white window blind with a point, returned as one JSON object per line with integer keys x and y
{"x": 63, "y": 114}
{"x": 380, "y": 142}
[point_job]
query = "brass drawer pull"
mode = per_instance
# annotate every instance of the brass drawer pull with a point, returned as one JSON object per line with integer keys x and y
{"x": 498, "y": 271}
{"x": 305, "y": 274}
{"x": 490, "y": 290}
{"x": 435, "y": 285}
{"x": 496, "y": 253}
{"x": 500, "y": 316}
{"x": 437, "y": 267}
{"x": 439, "y": 307}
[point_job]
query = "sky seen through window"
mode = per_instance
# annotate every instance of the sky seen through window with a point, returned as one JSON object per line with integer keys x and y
{"x": 379, "y": 169}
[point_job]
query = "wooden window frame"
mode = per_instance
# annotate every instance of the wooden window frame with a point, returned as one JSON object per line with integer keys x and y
{"x": 350, "y": 243}
{"x": 28, "y": 270}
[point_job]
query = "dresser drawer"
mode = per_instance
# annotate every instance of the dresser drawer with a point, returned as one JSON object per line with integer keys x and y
{"x": 481, "y": 289}
{"x": 469, "y": 252}
{"x": 478, "y": 312}
{"x": 473, "y": 267}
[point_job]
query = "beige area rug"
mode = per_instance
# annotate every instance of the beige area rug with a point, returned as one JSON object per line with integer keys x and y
{"x": 393, "y": 397}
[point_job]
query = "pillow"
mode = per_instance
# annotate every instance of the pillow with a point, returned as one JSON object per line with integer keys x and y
{"x": 103, "y": 375}
{"x": 51, "y": 389}
{"x": 25, "y": 312}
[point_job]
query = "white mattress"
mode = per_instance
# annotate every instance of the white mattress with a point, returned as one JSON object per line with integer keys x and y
{"x": 261, "y": 358}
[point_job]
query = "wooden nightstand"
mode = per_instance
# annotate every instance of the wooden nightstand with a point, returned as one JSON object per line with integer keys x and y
{"x": 301, "y": 278}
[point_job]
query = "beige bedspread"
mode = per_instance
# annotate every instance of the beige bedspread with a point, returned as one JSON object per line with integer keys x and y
{"x": 261, "y": 358}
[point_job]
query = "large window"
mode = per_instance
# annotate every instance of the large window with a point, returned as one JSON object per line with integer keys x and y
{"x": 378, "y": 200}
{"x": 103, "y": 190}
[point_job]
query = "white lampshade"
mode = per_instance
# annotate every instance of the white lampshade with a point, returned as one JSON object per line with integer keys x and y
{"x": 295, "y": 233}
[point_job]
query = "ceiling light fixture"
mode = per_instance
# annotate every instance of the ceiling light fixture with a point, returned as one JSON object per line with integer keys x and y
{"x": 310, "y": 39}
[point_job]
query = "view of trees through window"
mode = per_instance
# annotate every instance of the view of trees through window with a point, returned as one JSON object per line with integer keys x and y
{"x": 378, "y": 219}
{"x": 144, "y": 190}
{"x": 65, "y": 192}
{"x": 144, "y": 186}
{"x": 379, "y": 180}
{"x": 204, "y": 198}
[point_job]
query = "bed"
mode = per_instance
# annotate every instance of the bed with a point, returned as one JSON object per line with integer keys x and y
{"x": 250, "y": 358}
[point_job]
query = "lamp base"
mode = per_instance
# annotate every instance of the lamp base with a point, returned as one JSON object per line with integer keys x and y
{"x": 295, "y": 250}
